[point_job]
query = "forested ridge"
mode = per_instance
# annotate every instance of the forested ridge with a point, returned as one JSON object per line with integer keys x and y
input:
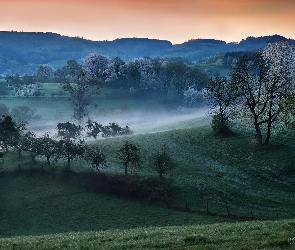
{"x": 22, "y": 52}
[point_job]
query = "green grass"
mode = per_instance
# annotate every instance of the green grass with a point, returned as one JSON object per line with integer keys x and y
{"x": 37, "y": 204}
{"x": 243, "y": 235}
{"x": 225, "y": 172}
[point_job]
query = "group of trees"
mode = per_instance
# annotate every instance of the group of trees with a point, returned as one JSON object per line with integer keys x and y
{"x": 69, "y": 146}
{"x": 260, "y": 88}
{"x": 20, "y": 114}
{"x": 167, "y": 79}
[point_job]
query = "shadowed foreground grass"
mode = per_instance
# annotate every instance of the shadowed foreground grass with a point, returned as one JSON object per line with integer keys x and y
{"x": 243, "y": 235}
{"x": 38, "y": 204}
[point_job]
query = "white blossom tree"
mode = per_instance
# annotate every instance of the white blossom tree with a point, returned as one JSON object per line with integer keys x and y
{"x": 261, "y": 82}
{"x": 44, "y": 71}
{"x": 192, "y": 97}
{"x": 279, "y": 58}
{"x": 148, "y": 73}
{"x": 96, "y": 65}
{"x": 115, "y": 70}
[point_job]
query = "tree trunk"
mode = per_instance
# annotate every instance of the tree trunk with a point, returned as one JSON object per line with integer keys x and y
{"x": 259, "y": 137}
{"x": 269, "y": 123}
{"x": 48, "y": 160}
{"x": 161, "y": 173}
{"x": 69, "y": 163}
{"x": 126, "y": 167}
{"x": 266, "y": 142}
{"x": 258, "y": 134}
{"x": 33, "y": 157}
{"x": 19, "y": 153}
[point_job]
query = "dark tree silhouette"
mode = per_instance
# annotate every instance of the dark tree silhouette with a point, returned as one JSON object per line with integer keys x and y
{"x": 162, "y": 162}
{"x": 49, "y": 147}
{"x": 67, "y": 130}
{"x": 220, "y": 99}
{"x": 70, "y": 150}
{"x": 95, "y": 157}
{"x": 81, "y": 90}
{"x": 10, "y": 132}
{"x": 129, "y": 154}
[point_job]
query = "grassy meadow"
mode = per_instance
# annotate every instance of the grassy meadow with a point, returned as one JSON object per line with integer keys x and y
{"x": 217, "y": 181}
{"x": 224, "y": 236}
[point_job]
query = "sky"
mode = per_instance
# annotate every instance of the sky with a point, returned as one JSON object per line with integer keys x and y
{"x": 174, "y": 20}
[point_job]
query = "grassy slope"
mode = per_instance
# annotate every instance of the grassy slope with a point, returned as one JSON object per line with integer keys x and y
{"x": 36, "y": 204}
{"x": 226, "y": 172}
{"x": 223, "y": 171}
{"x": 245, "y": 235}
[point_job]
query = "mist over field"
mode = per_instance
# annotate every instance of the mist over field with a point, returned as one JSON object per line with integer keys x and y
{"x": 140, "y": 121}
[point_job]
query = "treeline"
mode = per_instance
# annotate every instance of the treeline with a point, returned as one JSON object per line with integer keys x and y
{"x": 172, "y": 81}
{"x": 142, "y": 74}
{"x": 68, "y": 145}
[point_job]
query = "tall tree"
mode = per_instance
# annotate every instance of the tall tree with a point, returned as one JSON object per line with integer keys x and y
{"x": 220, "y": 99}
{"x": 32, "y": 145}
{"x": 80, "y": 92}
{"x": 279, "y": 58}
{"x": 262, "y": 81}
{"x": 71, "y": 68}
{"x": 44, "y": 72}
{"x": 96, "y": 66}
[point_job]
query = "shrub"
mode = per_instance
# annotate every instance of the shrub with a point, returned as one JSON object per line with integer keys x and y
{"x": 220, "y": 126}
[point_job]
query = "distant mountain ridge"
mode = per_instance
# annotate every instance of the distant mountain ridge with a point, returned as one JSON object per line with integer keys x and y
{"x": 22, "y": 52}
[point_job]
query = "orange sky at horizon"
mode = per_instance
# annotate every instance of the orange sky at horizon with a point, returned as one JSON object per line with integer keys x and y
{"x": 173, "y": 20}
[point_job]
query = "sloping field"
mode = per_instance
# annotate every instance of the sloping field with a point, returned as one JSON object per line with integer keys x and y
{"x": 37, "y": 204}
{"x": 243, "y": 235}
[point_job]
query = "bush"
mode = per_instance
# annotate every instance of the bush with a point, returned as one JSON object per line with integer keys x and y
{"x": 219, "y": 126}
{"x": 151, "y": 189}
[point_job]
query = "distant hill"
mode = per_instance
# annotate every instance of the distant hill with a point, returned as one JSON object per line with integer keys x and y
{"x": 23, "y": 52}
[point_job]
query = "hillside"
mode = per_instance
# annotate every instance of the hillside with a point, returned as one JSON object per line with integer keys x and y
{"x": 225, "y": 176}
{"x": 22, "y": 52}
{"x": 223, "y": 236}
{"x": 217, "y": 180}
